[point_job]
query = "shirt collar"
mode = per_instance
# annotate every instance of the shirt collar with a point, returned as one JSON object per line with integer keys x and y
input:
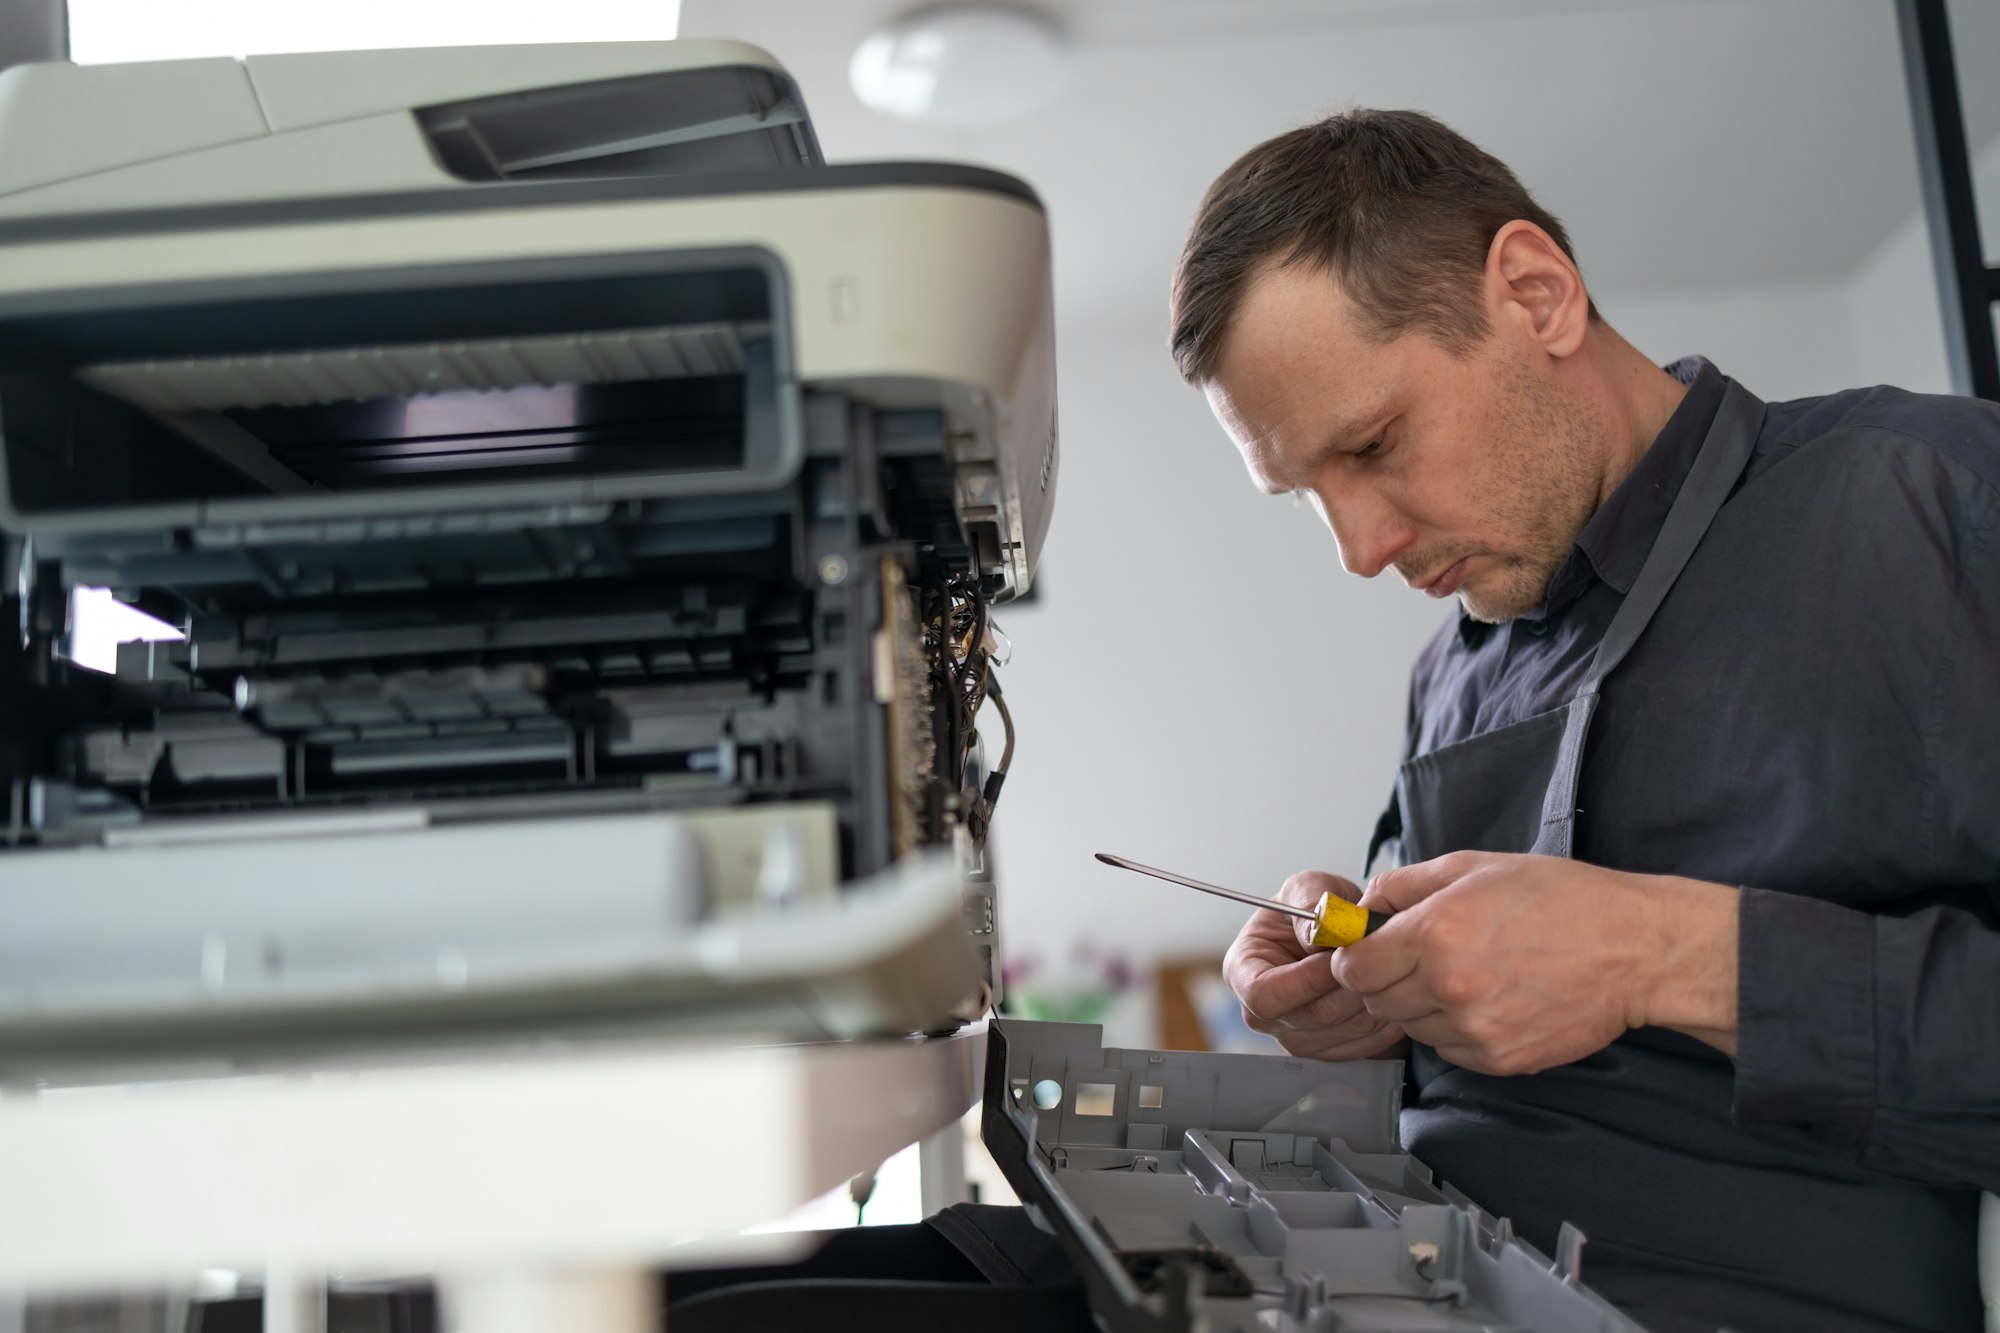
{"x": 1614, "y": 544}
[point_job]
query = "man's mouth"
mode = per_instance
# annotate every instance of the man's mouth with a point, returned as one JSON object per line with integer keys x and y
{"x": 1446, "y": 581}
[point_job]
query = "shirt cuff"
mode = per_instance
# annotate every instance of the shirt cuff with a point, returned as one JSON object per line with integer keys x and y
{"x": 1805, "y": 1014}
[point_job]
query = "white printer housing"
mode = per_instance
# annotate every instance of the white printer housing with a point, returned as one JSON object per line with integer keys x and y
{"x": 527, "y": 439}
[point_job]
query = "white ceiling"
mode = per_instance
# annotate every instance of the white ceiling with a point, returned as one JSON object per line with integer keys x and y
{"x": 1688, "y": 144}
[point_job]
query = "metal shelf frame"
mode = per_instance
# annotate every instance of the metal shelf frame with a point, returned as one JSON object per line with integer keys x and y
{"x": 1967, "y": 286}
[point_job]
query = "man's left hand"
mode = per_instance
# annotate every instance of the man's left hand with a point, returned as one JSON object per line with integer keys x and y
{"x": 1514, "y": 964}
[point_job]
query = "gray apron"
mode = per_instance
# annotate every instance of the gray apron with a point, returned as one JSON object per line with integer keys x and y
{"x": 1513, "y": 789}
{"x": 1635, "y": 1143}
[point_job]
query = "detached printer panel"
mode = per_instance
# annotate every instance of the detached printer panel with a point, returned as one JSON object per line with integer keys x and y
{"x": 1210, "y": 1193}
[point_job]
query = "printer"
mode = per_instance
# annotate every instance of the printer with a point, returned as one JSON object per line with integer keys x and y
{"x": 585, "y": 511}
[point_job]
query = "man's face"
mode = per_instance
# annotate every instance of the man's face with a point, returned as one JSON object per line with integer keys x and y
{"x": 1467, "y": 474}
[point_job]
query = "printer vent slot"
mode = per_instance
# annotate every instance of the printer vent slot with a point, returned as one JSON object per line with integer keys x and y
{"x": 682, "y": 121}
{"x": 331, "y": 375}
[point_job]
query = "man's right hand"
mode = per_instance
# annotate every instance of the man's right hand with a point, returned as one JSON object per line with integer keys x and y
{"x": 1287, "y": 987}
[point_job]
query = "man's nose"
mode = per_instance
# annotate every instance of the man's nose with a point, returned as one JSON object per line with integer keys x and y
{"x": 1370, "y": 535}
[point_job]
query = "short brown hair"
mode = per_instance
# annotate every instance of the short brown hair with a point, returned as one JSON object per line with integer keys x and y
{"x": 1399, "y": 207}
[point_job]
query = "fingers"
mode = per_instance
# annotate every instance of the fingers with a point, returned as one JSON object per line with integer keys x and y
{"x": 1313, "y": 1047}
{"x": 1268, "y": 938}
{"x": 1391, "y": 954}
{"x": 1289, "y": 990}
{"x": 1407, "y": 1003}
{"x": 1300, "y": 999}
{"x": 1274, "y": 992}
{"x": 1259, "y": 947}
{"x": 1335, "y": 1017}
{"x": 1304, "y": 888}
{"x": 1347, "y": 1036}
{"x": 1406, "y": 886}
{"x": 1372, "y": 965}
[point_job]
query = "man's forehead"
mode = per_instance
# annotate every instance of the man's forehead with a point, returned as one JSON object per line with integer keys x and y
{"x": 1287, "y": 314}
{"x": 1293, "y": 336}
{"x": 1260, "y": 432}
{"x": 1293, "y": 375}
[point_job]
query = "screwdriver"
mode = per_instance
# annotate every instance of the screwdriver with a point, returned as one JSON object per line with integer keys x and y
{"x": 1336, "y": 921}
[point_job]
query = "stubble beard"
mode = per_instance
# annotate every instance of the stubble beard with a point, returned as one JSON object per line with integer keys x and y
{"x": 1541, "y": 482}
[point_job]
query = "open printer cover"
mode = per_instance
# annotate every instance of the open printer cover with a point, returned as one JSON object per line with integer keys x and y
{"x": 584, "y": 510}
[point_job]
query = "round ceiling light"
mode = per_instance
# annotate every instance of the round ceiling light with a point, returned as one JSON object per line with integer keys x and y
{"x": 962, "y": 64}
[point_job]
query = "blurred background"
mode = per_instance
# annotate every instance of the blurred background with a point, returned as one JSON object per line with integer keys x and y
{"x": 1196, "y": 682}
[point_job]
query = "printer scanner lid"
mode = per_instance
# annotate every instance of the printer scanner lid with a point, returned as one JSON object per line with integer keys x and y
{"x": 347, "y": 122}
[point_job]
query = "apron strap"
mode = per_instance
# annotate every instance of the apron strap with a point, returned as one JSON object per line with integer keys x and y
{"x": 1717, "y": 468}
{"x": 1725, "y": 452}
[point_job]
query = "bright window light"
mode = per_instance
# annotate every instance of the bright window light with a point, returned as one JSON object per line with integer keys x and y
{"x": 108, "y": 31}
{"x": 99, "y": 622}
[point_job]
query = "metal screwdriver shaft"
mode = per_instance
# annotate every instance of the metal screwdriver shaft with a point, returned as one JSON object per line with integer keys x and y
{"x": 1336, "y": 922}
{"x": 1249, "y": 898}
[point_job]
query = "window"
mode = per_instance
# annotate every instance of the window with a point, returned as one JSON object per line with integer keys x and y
{"x": 108, "y": 31}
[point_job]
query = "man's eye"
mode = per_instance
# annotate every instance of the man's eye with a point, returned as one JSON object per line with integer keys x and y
{"x": 1372, "y": 448}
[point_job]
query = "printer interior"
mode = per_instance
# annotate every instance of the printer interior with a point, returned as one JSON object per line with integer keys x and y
{"x": 492, "y": 547}
{"x": 606, "y": 634}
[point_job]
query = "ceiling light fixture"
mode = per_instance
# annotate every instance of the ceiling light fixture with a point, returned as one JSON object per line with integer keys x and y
{"x": 961, "y": 64}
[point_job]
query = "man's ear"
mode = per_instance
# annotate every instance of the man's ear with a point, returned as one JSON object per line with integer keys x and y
{"x": 1532, "y": 284}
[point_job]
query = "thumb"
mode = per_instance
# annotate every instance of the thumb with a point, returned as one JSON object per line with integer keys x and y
{"x": 1406, "y": 886}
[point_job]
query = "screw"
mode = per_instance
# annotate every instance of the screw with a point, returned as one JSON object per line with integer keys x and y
{"x": 833, "y": 569}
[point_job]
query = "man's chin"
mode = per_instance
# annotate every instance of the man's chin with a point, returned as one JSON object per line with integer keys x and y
{"x": 1491, "y": 606}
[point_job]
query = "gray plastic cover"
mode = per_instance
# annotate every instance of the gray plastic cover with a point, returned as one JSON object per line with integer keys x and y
{"x": 1256, "y": 1194}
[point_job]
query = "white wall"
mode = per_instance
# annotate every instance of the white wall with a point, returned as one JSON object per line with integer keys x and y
{"x": 1893, "y": 300}
{"x": 1893, "y": 310}
{"x": 1778, "y": 342}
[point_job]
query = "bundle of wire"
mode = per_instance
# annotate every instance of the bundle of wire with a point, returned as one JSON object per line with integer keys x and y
{"x": 957, "y": 641}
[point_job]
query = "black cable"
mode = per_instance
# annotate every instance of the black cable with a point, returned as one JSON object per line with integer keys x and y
{"x": 998, "y": 777}
{"x": 1006, "y": 722}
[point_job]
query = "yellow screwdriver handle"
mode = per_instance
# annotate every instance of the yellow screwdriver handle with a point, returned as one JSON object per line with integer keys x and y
{"x": 1342, "y": 922}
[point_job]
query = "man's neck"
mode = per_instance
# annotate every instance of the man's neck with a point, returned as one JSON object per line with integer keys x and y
{"x": 1640, "y": 397}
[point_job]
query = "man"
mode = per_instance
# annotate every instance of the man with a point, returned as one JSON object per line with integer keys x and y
{"x": 1698, "y": 945}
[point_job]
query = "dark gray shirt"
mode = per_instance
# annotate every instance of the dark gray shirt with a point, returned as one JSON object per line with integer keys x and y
{"x": 1812, "y": 716}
